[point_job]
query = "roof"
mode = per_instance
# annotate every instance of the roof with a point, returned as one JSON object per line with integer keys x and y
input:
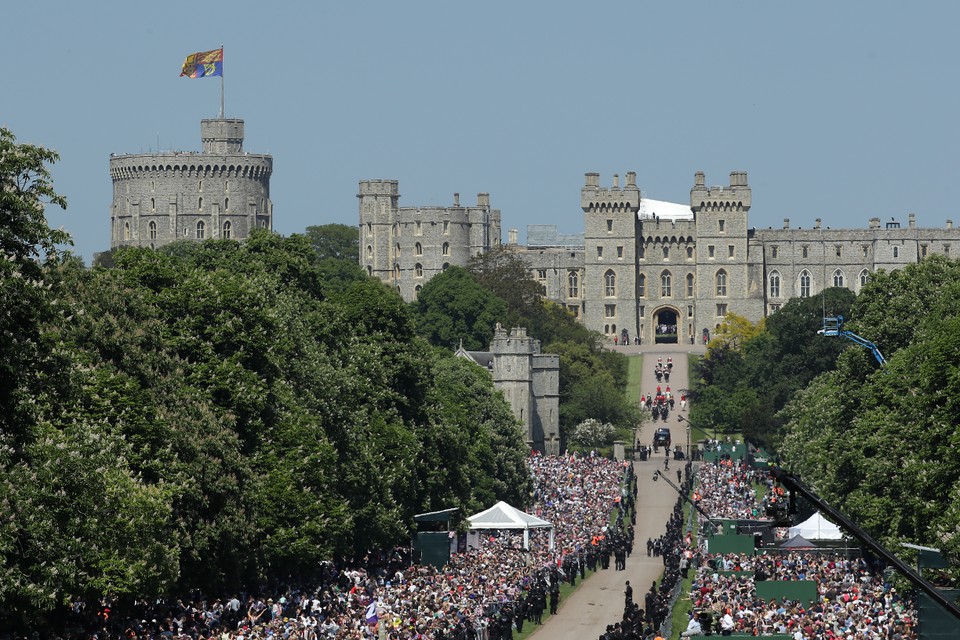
{"x": 816, "y": 527}
{"x": 798, "y": 542}
{"x": 503, "y": 516}
{"x": 664, "y": 210}
{"x": 482, "y": 358}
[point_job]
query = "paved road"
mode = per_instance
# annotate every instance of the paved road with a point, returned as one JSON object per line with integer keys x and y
{"x": 599, "y": 600}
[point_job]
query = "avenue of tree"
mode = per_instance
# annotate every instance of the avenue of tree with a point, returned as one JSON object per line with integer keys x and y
{"x": 222, "y": 415}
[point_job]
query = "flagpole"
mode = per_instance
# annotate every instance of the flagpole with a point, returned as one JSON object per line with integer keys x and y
{"x": 222, "y": 116}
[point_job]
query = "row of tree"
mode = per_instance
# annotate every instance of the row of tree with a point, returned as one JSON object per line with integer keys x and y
{"x": 878, "y": 442}
{"x": 217, "y": 414}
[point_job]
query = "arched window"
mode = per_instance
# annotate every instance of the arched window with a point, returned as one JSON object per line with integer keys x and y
{"x": 666, "y": 252}
{"x": 126, "y": 230}
{"x": 446, "y": 249}
{"x": 446, "y": 265}
{"x": 690, "y": 285}
{"x": 896, "y": 252}
{"x": 689, "y": 253}
{"x": 641, "y": 251}
{"x": 201, "y": 229}
{"x": 226, "y": 203}
{"x": 721, "y": 283}
{"x": 804, "y": 284}
{"x": 200, "y": 204}
{"x": 396, "y": 229}
{"x": 153, "y": 230}
{"x": 775, "y": 284}
{"x": 369, "y": 252}
{"x": 416, "y": 290}
{"x": 864, "y": 277}
{"x": 665, "y": 290}
{"x": 573, "y": 285}
{"x": 418, "y": 249}
{"x": 396, "y": 271}
{"x": 153, "y": 204}
{"x": 227, "y": 229}
{"x": 610, "y": 284}
{"x": 369, "y": 270}
{"x": 200, "y": 186}
{"x": 642, "y": 286}
{"x": 838, "y": 278}
{"x": 397, "y": 251}
{"x": 418, "y": 270}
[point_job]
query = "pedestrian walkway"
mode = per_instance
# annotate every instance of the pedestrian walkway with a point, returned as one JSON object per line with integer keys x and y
{"x": 599, "y": 600}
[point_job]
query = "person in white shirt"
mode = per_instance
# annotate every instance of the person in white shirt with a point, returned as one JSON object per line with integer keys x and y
{"x": 693, "y": 628}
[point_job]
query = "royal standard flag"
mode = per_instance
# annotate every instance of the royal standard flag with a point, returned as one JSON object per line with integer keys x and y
{"x": 203, "y": 63}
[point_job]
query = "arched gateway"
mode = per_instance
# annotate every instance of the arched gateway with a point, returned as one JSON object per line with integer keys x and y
{"x": 666, "y": 325}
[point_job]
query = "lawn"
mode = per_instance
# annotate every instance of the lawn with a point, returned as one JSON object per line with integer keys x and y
{"x": 634, "y": 373}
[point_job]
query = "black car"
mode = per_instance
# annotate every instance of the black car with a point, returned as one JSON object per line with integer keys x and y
{"x": 662, "y": 437}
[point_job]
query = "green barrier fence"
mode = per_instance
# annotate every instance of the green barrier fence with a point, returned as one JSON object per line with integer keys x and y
{"x": 804, "y": 591}
{"x": 730, "y": 544}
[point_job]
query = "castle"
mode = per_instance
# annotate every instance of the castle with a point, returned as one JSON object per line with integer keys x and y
{"x": 644, "y": 269}
{"x": 220, "y": 192}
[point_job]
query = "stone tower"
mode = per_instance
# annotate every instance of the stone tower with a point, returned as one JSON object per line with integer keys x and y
{"x": 530, "y": 382}
{"x": 220, "y": 192}
{"x": 610, "y": 254}
{"x": 406, "y": 246}
{"x": 728, "y": 278}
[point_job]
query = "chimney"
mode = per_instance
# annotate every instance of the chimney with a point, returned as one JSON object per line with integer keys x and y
{"x": 874, "y": 223}
{"x": 456, "y": 200}
{"x": 631, "y": 179}
{"x": 786, "y": 223}
{"x": 616, "y": 181}
{"x": 912, "y": 220}
{"x": 949, "y": 224}
{"x": 591, "y": 179}
{"x": 483, "y": 200}
{"x": 816, "y": 224}
{"x": 699, "y": 179}
{"x": 512, "y": 236}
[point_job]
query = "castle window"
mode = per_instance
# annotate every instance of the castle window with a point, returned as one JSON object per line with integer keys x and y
{"x": 226, "y": 186}
{"x": 446, "y": 227}
{"x": 690, "y": 311}
{"x": 417, "y": 228}
{"x": 609, "y": 311}
{"x": 417, "y": 289}
{"x": 838, "y": 278}
{"x": 418, "y": 270}
{"x": 804, "y": 251}
{"x": 642, "y": 286}
{"x": 946, "y": 250}
{"x": 720, "y": 225}
{"x": 609, "y": 226}
{"x": 227, "y": 229}
{"x": 153, "y": 204}
{"x": 574, "y": 309}
{"x": 774, "y": 308}
{"x": 689, "y": 253}
{"x": 665, "y": 279}
{"x": 126, "y": 230}
{"x": 201, "y": 229}
{"x": 839, "y": 249}
{"x": 620, "y": 252}
{"x": 369, "y": 228}
{"x": 866, "y": 250}
{"x": 721, "y": 310}
{"x": 396, "y": 252}
{"x": 610, "y": 284}
{"x": 641, "y": 252}
{"x": 774, "y": 251}
{"x": 864, "y": 277}
{"x": 710, "y": 251}
{"x": 689, "y": 285}
{"x": 542, "y": 281}
{"x": 721, "y": 283}
{"x": 923, "y": 251}
{"x": 573, "y": 285}
{"x": 666, "y": 252}
{"x": 896, "y": 252}
{"x": 226, "y": 203}
{"x": 445, "y": 250}
{"x": 774, "y": 285}
{"x": 369, "y": 252}
{"x": 730, "y": 250}
{"x": 369, "y": 270}
{"x": 199, "y": 204}
{"x": 396, "y": 229}
{"x": 200, "y": 185}
{"x": 804, "y": 284}
{"x": 418, "y": 249}
{"x": 642, "y": 311}
{"x": 446, "y": 265}
{"x": 599, "y": 252}
{"x": 153, "y": 230}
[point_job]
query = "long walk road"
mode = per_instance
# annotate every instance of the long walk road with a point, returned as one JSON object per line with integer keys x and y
{"x": 599, "y": 600}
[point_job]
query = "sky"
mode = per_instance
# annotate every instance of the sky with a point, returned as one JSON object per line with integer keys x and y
{"x": 837, "y": 110}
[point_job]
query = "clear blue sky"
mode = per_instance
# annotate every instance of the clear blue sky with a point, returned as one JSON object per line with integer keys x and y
{"x": 838, "y": 110}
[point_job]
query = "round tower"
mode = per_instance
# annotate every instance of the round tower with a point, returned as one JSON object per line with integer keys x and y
{"x": 220, "y": 192}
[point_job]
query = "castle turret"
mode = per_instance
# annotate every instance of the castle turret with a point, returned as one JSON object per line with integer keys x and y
{"x": 220, "y": 192}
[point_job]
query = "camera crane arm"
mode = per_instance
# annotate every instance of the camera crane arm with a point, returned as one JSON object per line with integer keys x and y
{"x": 793, "y": 483}
{"x": 657, "y": 475}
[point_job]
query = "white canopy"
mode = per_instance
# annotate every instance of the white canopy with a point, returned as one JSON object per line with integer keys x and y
{"x": 816, "y": 527}
{"x": 503, "y": 516}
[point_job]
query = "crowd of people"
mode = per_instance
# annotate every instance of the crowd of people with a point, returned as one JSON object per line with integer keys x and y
{"x": 481, "y": 594}
{"x": 853, "y": 600}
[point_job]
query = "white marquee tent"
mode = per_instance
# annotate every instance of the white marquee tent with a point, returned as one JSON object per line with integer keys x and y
{"x": 503, "y": 516}
{"x": 816, "y": 527}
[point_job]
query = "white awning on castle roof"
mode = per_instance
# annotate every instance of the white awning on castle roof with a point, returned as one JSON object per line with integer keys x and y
{"x": 664, "y": 210}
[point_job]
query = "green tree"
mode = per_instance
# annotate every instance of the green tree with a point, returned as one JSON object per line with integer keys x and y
{"x": 337, "y": 241}
{"x": 453, "y": 306}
